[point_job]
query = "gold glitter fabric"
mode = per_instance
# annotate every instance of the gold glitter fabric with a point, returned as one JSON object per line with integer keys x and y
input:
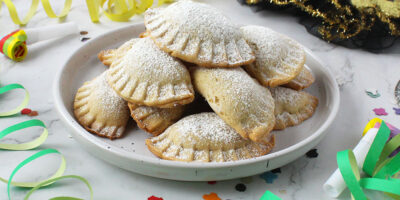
{"x": 344, "y": 19}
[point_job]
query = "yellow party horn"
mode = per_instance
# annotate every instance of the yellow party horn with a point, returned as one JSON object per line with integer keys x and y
{"x": 14, "y": 45}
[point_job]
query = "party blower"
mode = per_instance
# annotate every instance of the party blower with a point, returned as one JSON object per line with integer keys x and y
{"x": 14, "y": 45}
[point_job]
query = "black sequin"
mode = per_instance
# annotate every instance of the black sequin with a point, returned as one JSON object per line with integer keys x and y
{"x": 240, "y": 187}
{"x": 312, "y": 153}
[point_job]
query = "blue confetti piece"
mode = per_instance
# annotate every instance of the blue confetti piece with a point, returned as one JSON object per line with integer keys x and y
{"x": 269, "y": 177}
{"x": 397, "y": 111}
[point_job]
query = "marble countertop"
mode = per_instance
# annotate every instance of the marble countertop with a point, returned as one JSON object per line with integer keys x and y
{"x": 355, "y": 71}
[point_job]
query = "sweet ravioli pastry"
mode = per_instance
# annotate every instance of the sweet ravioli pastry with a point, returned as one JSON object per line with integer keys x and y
{"x": 109, "y": 55}
{"x": 198, "y": 33}
{"x": 279, "y": 59}
{"x": 292, "y": 107}
{"x": 303, "y": 80}
{"x": 148, "y": 76}
{"x": 207, "y": 138}
{"x": 100, "y": 110}
{"x": 155, "y": 120}
{"x": 238, "y": 99}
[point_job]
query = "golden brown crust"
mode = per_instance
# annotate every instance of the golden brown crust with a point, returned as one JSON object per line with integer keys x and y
{"x": 238, "y": 99}
{"x": 99, "y": 110}
{"x": 148, "y": 76}
{"x": 210, "y": 139}
{"x": 155, "y": 120}
{"x": 292, "y": 107}
{"x": 279, "y": 59}
{"x": 211, "y": 41}
{"x": 107, "y": 57}
{"x": 302, "y": 81}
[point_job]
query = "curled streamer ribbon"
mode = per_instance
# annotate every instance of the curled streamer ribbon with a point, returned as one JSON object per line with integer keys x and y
{"x": 379, "y": 165}
{"x": 118, "y": 10}
{"x": 21, "y": 106}
{"x": 58, "y": 175}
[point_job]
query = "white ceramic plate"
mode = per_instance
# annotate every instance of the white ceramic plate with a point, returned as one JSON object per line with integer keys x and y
{"x": 131, "y": 153}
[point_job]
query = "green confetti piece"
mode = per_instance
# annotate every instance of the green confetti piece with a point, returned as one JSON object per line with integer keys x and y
{"x": 269, "y": 196}
{"x": 21, "y": 106}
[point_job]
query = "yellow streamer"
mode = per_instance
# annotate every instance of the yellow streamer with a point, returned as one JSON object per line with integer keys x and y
{"x": 118, "y": 10}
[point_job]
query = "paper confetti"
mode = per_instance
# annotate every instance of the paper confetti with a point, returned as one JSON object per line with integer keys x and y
{"x": 83, "y": 32}
{"x": 397, "y": 111}
{"x": 372, "y": 93}
{"x": 26, "y": 111}
{"x": 33, "y": 114}
{"x": 85, "y": 39}
{"x": 212, "y": 182}
{"x": 211, "y": 196}
{"x": 269, "y": 177}
{"x": 312, "y": 153}
{"x": 240, "y": 187}
{"x": 380, "y": 111}
{"x": 155, "y": 198}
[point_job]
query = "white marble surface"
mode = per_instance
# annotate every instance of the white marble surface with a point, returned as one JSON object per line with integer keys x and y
{"x": 355, "y": 70}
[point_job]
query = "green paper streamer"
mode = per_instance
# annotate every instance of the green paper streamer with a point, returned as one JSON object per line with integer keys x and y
{"x": 31, "y": 145}
{"x": 28, "y": 145}
{"x": 377, "y": 164}
{"x": 35, "y": 156}
{"x": 391, "y": 186}
{"x": 377, "y": 145}
{"x": 21, "y": 106}
{"x": 349, "y": 169}
{"x": 269, "y": 196}
{"x": 44, "y": 183}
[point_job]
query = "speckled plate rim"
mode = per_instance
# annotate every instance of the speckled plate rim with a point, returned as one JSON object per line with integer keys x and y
{"x": 75, "y": 126}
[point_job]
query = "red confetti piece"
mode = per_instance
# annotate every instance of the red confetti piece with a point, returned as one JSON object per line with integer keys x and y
{"x": 212, "y": 182}
{"x": 155, "y": 198}
{"x": 33, "y": 114}
{"x": 211, "y": 196}
{"x": 26, "y": 111}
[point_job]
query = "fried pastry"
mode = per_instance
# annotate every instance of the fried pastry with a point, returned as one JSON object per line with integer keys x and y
{"x": 100, "y": 110}
{"x": 205, "y": 137}
{"x": 292, "y": 107}
{"x": 238, "y": 99}
{"x": 302, "y": 81}
{"x": 107, "y": 56}
{"x": 155, "y": 120}
{"x": 148, "y": 76}
{"x": 198, "y": 33}
{"x": 279, "y": 59}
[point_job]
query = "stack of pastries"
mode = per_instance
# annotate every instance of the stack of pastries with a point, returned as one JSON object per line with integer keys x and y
{"x": 251, "y": 78}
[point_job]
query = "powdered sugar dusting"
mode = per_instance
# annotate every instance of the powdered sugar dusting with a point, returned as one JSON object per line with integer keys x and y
{"x": 113, "y": 105}
{"x": 203, "y": 20}
{"x": 154, "y": 63}
{"x": 273, "y": 50}
{"x": 246, "y": 96}
{"x": 208, "y": 127}
{"x": 198, "y": 33}
{"x": 205, "y": 137}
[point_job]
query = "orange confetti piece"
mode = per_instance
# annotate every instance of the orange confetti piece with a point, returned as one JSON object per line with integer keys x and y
{"x": 211, "y": 196}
